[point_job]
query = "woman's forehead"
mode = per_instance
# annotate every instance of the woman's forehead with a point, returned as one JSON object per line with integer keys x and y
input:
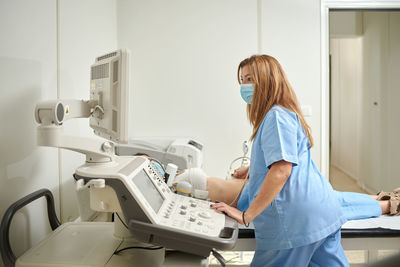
{"x": 245, "y": 71}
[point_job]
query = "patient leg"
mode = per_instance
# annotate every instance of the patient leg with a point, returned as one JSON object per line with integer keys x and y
{"x": 374, "y": 196}
{"x": 218, "y": 189}
{"x": 224, "y": 190}
{"x": 385, "y": 204}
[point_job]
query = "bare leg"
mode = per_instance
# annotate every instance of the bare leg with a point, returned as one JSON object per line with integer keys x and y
{"x": 385, "y": 206}
{"x": 223, "y": 190}
{"x": 374, "y": 196}
{"x": 218, "y": 189}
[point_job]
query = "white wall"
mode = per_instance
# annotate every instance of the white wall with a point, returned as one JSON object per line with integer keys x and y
{"x": 345, "y": 24}
{"x": 87, "y": 30}
{"x": 374, "y": 54}
{"x": 27, "y": 75}
{"x": 291, "y": 33}
{"x": 364, "y": 102}
{"x": 381, "y": 83}
{"x": 392, "y": 101}
{"x": 185, "y": 55}
{"x": 346, "y": 91}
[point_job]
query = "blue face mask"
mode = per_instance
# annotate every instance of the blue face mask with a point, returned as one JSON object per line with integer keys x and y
{"x": 246, "y": 91}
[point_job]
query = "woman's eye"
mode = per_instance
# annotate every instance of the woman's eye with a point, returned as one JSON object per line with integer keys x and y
{"x": 249, "y": 79}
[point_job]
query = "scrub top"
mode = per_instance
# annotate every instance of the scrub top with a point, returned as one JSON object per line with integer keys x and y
{"x": 306, "y": 210}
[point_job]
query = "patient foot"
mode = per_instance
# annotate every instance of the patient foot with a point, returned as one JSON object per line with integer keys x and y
{"x": 395, "y": 206}
{"x": 388, "y": 195}
{"x": 195, "y": 176}
{"x": 394, "y": 200}
{"x": 383, "y": 196}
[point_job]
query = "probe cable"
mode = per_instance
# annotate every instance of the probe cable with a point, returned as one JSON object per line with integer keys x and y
{"x": 146, "y": 248}
{"x": 241, "y": 189}
{"x": 126, "y": 226}
{"x": 219, "y": 257}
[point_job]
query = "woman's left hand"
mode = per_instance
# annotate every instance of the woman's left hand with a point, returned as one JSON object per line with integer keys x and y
{"x": 230, "y": 211}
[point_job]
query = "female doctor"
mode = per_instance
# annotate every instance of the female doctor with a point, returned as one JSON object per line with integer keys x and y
{"x": 296, "y": 215}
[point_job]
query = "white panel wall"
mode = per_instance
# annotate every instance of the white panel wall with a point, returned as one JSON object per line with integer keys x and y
{"x": 381, "y": 81}
{"x": 291, "y": 33}
{"x": 392, "y": 102}
{"x": 374, "y": 69}
{"x": 185, "y": 55}
{"x": 27, "y": 75}
{"x": 346, "y": 92}
{"x": 87, "y": 30}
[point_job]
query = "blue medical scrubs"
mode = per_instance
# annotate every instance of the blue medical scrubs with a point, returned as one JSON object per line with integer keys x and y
{"x": 305, "y": 216}
{"x": 355, "y": 206}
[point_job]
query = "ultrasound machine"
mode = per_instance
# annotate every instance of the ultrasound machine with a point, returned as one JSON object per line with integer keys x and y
{"x": 157, "y": 226}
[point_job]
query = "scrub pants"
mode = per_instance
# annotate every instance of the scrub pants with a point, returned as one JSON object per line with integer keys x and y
{"x": 356, "y": 206}
{"x": 326, "y": 252}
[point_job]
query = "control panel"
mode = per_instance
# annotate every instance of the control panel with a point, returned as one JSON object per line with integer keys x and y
{"x": 155, "y": 214}
{"x": 177, "y": 211}
{"x": 193, "y": 215}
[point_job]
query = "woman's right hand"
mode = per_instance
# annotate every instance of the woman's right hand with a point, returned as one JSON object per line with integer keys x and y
{"x": 241, "y": 172}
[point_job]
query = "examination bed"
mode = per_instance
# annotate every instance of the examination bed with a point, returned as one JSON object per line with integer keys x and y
{"x": 382, "y": 233}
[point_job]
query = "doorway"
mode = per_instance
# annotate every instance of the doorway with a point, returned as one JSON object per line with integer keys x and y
{"x": 364, "y": 76}
{"x": 360, "y": 69}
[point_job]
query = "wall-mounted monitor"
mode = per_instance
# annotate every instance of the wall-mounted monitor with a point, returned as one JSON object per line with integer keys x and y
{"x": 109, "y": 85}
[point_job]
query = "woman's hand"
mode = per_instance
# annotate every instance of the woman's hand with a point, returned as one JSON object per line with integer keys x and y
{"x": 241, "y": 172}
{"x": 230, "y": 211}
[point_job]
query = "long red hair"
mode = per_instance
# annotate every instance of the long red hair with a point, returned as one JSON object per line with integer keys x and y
{"x": 271, "y": 87}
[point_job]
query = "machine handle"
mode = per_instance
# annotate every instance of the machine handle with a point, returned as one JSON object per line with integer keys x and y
{"x": 7, "y": 254}
{"x": 225, "y": 241}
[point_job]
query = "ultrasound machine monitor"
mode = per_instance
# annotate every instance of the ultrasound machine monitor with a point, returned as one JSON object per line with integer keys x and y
{"x": 153, "y": 213}
{"x": 109, "y": 85}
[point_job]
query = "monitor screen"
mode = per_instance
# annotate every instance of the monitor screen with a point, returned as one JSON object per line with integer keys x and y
{"x": 148, "y": 190}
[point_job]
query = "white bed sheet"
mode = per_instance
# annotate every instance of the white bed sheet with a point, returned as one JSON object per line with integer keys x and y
{"x": 384, "y": 221}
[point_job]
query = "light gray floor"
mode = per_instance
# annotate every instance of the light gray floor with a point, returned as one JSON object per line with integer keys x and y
{"x": 342, "y": 182}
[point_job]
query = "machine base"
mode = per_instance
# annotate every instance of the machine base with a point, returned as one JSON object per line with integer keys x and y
{"x": 93, "y": 244}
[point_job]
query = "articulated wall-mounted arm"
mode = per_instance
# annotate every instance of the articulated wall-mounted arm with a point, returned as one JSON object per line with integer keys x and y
{"x": 57, "y": 111}
{"x": 51, "y": 114}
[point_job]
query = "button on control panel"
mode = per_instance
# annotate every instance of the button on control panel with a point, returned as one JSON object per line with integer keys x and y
{"x": 193, "y": 215}
{"x": 186, "y": 213}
